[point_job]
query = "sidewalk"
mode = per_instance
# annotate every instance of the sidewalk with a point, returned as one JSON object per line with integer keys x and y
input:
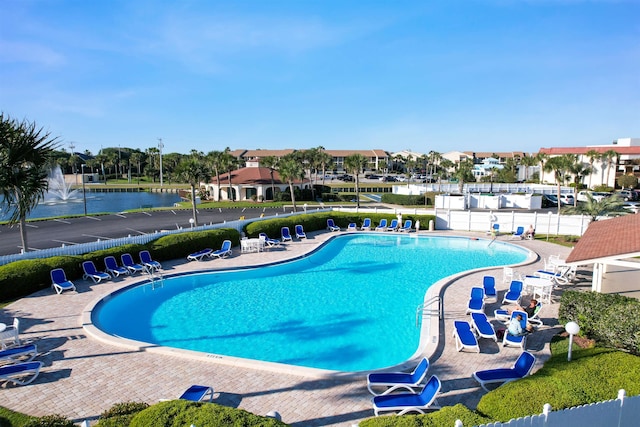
{"x": 82, "y": 376}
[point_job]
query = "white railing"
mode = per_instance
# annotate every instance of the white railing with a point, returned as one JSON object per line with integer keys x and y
{"x": 84, "y": 248}
{"x": 623, "y": 411}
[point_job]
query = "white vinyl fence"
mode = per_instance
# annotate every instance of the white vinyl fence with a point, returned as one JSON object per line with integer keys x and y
{"x": 623, "y": 411}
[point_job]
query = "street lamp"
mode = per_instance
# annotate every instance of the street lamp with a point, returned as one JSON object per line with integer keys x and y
{"x": 192, "y": 221}
{"x": 160, "y": 147}
{"x": 84, "y": 194}
{"x": 572, "y": 328}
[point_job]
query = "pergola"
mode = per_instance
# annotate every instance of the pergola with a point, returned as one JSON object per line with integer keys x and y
{"x": 608, "y": 242}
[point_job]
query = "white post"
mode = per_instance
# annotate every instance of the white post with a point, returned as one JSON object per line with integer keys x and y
{"x": 160, "y": 147}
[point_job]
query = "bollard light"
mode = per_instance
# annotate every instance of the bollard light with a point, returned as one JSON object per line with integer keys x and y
{"x": 191, "y": 221}
{"x": 572, "y": 329}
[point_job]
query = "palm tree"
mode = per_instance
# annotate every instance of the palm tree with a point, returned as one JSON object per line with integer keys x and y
{"x": 609, "y": 156}
{"x": 136, "y": 157}
{"x": 595, "y": 208}
{"x": 24, "y": 156}
{"x": 527, "y": 162}
{"x": 194, "y": 171}
{"x": 310, "y": 160}
{"x": 355, "y": 164}
{"x": 324, "y": 159}
{"x": 578, "y": 170}
{"x": 542, "y": 158}
{"x": 593, "y": 155}
{"x": 228, "y": 164}
{"x": 464, "y": 173}
{"x": 559, "y": 166}
{"x": 290, "y": 169}
{"x": 214, "y": 160}
{"x": 271, "y": 162}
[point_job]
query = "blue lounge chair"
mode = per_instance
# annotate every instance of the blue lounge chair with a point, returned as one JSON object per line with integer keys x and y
{"x": 224, "y": 251}
{"x": 518, "y": 234}
{"x": 300, "y": 232}
{"x": 147, "y": 261}
{"x": 464, "y": 336}
{"x": 22, "y": 354}
{"x": 519, "y": 340}
{"x": 197, "y": 256}
{"x": 59, "y": 281}
{"x": 286, "y": 236}
{"x": 366, "y": 225}
{"x": 410, "y": 402}
{"x": 407, "y": 226}
{"x": 112, "y": 267}
{"x": 521, "y": 368}
{"x": 352, "y": 227}
{"x": 483, "y": 327}
{"x": 514, "y": 293}
{"x": 489, "y": 285}
{"x": 90, "y": 272}
{"x": 269, "y": 242}
{"x": 331, "y": 226}
{"x": 476, "y": 301}
{"x": 393, "y": 226}
{"x": 20, "y": 373}
{"x": 495, "y": 230}
{"x": 397, "y": 380}
{"x": 133, "y": 267}
{"x": 383, "y": 225}
{"x": 198, "y": 393}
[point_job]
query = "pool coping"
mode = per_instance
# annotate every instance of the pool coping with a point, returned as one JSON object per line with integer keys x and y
{"x": 427, "y": 345}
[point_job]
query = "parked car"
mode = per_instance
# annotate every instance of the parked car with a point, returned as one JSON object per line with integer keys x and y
{"x": 549, "y": 201}
{"x": 597, "y": 196}
{"x": 627, "y": 195}
{"x": 567, "y": 199}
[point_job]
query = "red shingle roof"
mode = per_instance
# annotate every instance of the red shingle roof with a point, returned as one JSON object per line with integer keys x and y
{"x": 251, "y": 176}
{"x": 612, "y": 238}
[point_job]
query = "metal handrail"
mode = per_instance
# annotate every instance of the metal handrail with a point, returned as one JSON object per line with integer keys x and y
{"x": 426, "y": 309}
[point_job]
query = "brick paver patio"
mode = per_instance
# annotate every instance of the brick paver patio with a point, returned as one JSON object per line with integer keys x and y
{"x": 83, "y": 376}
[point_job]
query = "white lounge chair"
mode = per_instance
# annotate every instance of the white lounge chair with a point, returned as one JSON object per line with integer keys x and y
{"x": 464, "y": 336}
{"x": 198, "y": 393}
{"x": 403, "y": 403}
{"x": 514, "y": 293}
{"x": 483, "y": 327}
{"x": 393, "y": 381}
{"x": 383, "y": 225}
{"x": 90, "y": 272}
{"x": 518, "y": 234}
{"x": 352, "y": 227}
{"x": 224, "y": 251}
{"x": 519, "y": 340}
{"x": 112, "y": 267}
{"x": 22, "y": 354}
{"x": 408, "y": 224}
{"x": 366, "y": 225}
{"x": 521, "y": 368}
{"x": 133, "y": 267}
{"x": 20, "y": 373}
{"x": 489, "y": 286}
{"x": 148, "y": 262}
{"x": 393, "y": 226}
{"x": 300, "y": 234}
{"x": 269, "y": 242}
{"x": 286, "y": 235}
{"x": 476, "y": 301}
{"x": 331, "y": 226}
{"x": 59, "y": 281}
{"x": 197, "y": 256}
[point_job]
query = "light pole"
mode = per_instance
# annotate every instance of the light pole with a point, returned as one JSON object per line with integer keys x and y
{"x": 160, "y": 147}
{"x": 572, "y": 328}
{"x": 84, "y": 194}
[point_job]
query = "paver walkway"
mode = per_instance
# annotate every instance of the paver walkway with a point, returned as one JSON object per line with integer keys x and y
{"x": 83, "y": 376}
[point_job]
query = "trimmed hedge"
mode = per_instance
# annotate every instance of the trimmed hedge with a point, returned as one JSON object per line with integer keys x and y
{"x": 612, "y": 320}
{"x": 180, "y": 413}
{"x": 318, "y": 221}
{"x": 410, "y": 200}
{"x": 446, "y": 416}
{"x": 21, "y": 278}
{"x": 121, "y": 414}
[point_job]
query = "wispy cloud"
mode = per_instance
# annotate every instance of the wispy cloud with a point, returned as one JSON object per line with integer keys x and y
{"x": 34, "y": 53}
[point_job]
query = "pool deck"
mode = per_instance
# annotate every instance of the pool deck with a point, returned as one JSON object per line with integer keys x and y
{"x": 83, "y": 376}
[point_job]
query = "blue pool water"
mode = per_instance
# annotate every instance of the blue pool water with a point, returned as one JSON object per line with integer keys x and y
{"x": 349, "y": 306}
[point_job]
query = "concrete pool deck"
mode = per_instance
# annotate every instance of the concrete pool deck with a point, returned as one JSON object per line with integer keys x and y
{"x": 83, "y": 376}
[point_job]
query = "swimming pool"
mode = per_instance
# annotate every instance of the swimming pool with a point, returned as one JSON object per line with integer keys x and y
{"x": 348, "y": 306}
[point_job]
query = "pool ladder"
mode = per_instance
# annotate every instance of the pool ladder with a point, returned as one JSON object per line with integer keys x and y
{"x": 427, "y": 309}
{"x": 155, "y": 278}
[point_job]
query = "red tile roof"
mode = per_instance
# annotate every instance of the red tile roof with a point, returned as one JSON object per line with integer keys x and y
{"x": 611, "y": 238}
{"x": 556, "y": 151}
{"x": 251, "y": 176}
{"x": 366, "y": 153}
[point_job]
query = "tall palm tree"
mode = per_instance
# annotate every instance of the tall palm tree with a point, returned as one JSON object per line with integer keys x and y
{"x": 596, "y": 208}
{"x": 271, "y": 162}
{"x": 578, "y": 170}
{"x": 228, "y": 164}
{"x": 464, "y": 173}
{"x": 324, "y": 159}
{"x": 194, "y": 171}
{"x": 355, "y": 164}
{"x": 136, "y": 157}
{"x": 542, "y": 158}
{"x": 593, "y": 155}
{"x": 310, "y": 161}
{"x": 24, "y": 156}
{"x": 528, "y": 161}
{"x": 559, "y": 166}
{"x": 214, "y": 160}
{"x": 290, "y": 169}
{"x": 609, "y": 156}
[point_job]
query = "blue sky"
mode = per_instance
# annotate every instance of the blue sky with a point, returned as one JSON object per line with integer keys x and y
{"x": 493, "y": 75}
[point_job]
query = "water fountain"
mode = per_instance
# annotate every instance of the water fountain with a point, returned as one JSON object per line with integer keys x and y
{"x": 59, "y": 190}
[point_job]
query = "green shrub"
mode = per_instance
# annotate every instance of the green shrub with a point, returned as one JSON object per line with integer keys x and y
{"x": 594, "y": 374}
{"x": 180, "y": 413}
{"x": 9, "y": 418}
{"x": 410, "y": 200}
{"x": 612, "y": 320}
{"x": 50, "y": 421}
{"x": 121, "y": 414}
{"x": 446, "y": 416}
